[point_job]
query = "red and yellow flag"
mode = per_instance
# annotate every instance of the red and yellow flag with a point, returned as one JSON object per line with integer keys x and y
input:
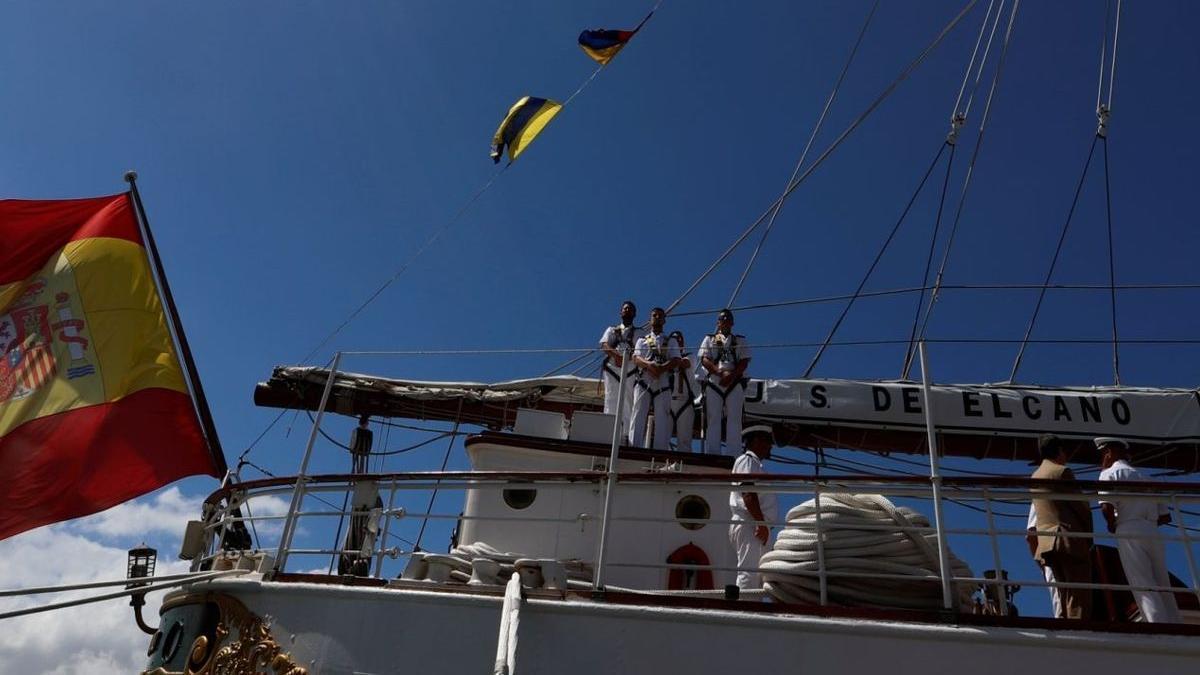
{"x": 94, "y": 409}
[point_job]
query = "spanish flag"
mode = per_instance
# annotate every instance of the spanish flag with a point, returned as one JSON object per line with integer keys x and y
{"x": 94, "y": 408}
{"x": 525, "y": 120}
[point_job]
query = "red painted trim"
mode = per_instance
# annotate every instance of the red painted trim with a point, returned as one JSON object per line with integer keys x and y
{"x": 83, "y": 461}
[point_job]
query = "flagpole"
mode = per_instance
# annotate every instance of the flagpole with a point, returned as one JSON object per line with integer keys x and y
{"x": 199, "y": 401}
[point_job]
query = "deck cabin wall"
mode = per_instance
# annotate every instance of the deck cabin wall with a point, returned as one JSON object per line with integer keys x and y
{"x": 641, "y": 543}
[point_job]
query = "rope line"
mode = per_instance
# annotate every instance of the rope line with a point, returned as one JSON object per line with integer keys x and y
{"x": 412, "y": 259}
{"x": 1112, "y": 279}
{"x": 862, "y": 117}
{"x": 910, "y": 352}
{"x": 979, "y": 138}
{"x": 878, "y": 256}
{"x": 982, "y": 61}
{"x": 1062, "y": 236}
{"x": 974, "y": 52}
{"x": 453, "y": 219}
{"x": 445, "y": 461}
{"x": 807, "y": 146}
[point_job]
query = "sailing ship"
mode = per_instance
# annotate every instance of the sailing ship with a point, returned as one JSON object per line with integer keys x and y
{"x": 573, "y": 551}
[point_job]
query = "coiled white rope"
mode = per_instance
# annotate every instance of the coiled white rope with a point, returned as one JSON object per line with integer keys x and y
{"x": 855, "y": 541}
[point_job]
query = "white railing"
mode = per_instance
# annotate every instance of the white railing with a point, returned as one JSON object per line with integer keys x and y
{"x": 981, "y": 494}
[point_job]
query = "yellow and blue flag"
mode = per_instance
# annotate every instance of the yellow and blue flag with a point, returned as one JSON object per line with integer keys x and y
{"x": 602, "y": 45}
{"x": 525, "y": 120}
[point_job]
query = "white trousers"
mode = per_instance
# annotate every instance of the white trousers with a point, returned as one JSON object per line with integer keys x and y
{"x": 611, "y": 389}
{"x": 749, "y": 552}
{"x": 1145, "y": 564}
{"x": 651, "y": 393}
{"x": 684, "y": 414}
{"x": 726, "y": 407}
{"x": 1055, "y": 598}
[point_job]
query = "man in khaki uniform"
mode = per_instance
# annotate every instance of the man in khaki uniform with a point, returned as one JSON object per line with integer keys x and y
{"x": 1068, "y": 557}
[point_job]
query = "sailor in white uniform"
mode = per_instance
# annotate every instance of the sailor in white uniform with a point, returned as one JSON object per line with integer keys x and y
{"x": 724, "y": 358}
{"x": 656, "y": 357}
{"x": 1144, "y": 559}
{"x": 613, "y": 342}
{"x": 750, "y": 533}
{"x": 683, "y": 396}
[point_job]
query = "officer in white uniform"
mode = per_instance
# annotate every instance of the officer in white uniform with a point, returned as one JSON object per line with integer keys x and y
{"x": 683, "y": 396}
{"x": 724, "y": 358}
{"x": 751, "y": 512}
{"x": 1144, "y": 559}
{"x": 1047, "y": 571}
{"x": 656, "y": 357}
{"x": 613, "y": 342}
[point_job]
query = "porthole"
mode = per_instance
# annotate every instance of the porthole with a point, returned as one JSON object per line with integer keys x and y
{"x": 519, "y": 498}
{"x": 692, "y": 508}
{"x": 172, "y": 641}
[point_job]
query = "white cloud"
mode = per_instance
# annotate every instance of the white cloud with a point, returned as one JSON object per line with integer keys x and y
{"x": 99, "y": 638}
{"x": 161, "y": 513}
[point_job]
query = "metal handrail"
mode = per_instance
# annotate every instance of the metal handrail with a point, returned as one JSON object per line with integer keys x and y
{"x": 971, "y": 491}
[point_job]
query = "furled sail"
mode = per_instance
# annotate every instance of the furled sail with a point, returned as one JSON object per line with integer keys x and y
{"x": 982, "y": 421}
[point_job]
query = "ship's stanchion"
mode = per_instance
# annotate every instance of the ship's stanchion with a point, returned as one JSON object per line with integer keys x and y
{"x": 1187, "y": 544}
{"x": 1000, "y": 583}
{"x": 289, "y": 523}
{"x": 383, "y": 537}
{"x": 613, "y": 454}
{"x": 935, "y": 480}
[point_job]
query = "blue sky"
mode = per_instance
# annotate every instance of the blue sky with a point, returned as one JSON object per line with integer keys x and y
{"x": 294, "y": 155}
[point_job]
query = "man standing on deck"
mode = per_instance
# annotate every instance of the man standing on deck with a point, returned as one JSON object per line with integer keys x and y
{"x": 1144, "y": 558}
{"x": 1031, "y": 539}
{"x": 615, "y": 340}
{"x": 683, "y": 396}
{"x": 752, "y": 512}
{"x": 724, "y": 357}
{"x": 1068, "y": 557}
{"x": 655, "y": 356}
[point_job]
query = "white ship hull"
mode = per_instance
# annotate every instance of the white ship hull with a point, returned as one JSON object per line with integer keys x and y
{"x": 328, "y": 629}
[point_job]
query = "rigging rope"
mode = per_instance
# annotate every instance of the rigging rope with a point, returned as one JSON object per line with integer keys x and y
{"x": 862, "y": 117}
{"x": 445, "y": 460}
{"x": 974, "y": 52}
{"x": 453, "y": 219}
{"x": 1112, "y": 279}
{"x": 807, "y": 146}
{"x": 409, "y": 262}
{"x": 878, "y": 256}
{"x": 1102, "y": 113}
{"x": 911, "y": 351}
{"x": 962, "y": 198}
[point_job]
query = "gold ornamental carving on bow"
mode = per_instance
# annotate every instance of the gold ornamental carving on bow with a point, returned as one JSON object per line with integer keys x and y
{"x": 243, "y": 644}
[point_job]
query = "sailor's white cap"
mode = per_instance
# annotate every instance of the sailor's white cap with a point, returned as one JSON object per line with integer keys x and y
{"x": 758, "y": 429}
{"x": 1111, "y": 440}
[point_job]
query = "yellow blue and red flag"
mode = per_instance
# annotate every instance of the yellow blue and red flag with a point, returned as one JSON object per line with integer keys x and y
{"x": 525, "y": 120}
{"x": 603, "y": 44}
{"x": 94, "y": 407}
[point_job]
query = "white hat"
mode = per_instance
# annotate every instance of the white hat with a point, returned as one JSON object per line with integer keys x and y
{"x": 758, "y": 429}
{"x": 1110, "y": 440}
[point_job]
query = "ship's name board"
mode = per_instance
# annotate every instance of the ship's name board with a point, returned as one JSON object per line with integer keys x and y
{"x": 1151, "y": 415}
